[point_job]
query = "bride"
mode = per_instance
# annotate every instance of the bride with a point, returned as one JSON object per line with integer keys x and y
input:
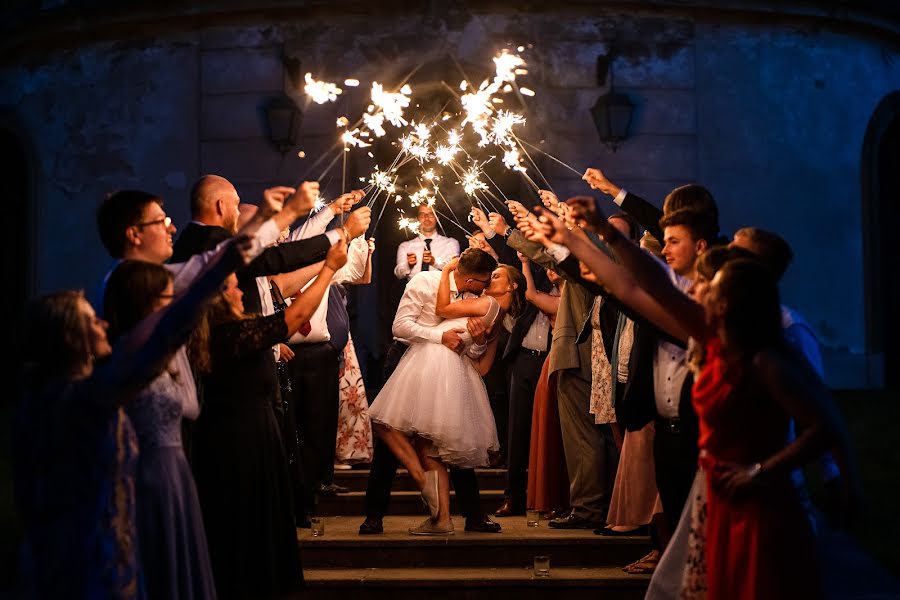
{"x": 433, "y": 411}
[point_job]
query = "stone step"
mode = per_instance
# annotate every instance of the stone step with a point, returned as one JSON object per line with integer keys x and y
{"x": 468, "y": 583}
{"x": 515, "y": 547}
{"x": 356, "y": 479}
{"x": 402, "y": 503}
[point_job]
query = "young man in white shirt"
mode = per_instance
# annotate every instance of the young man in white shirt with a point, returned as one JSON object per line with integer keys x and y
{"x": 429, "y": 251}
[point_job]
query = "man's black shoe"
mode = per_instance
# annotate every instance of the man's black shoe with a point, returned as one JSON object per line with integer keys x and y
{"x": 482, "y": 524}
{"x": 571, "y": 521}
{"x": 371, "y": 525}
{"x": 332, "y": 489}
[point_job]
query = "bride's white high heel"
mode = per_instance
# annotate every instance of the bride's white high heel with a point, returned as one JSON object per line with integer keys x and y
{"x": 430, "y": 493}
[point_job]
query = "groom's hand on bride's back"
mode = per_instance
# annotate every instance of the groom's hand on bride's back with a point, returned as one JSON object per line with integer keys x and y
{"x": 452, "y": 340}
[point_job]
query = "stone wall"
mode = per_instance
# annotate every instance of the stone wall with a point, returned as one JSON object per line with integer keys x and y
{"x": 770, "y": 117}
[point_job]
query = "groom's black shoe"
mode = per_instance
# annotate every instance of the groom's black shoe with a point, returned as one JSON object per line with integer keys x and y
{"x": 482, "y": 524}
{"x": 371, "y": 526}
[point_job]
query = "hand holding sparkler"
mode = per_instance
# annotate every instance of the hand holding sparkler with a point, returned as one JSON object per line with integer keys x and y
{"x": 371, "y": 244}
{"x": 337, "y": 256}
{"x": 517, "y": 209}
{"x": 344, "y": 203}
{"x": 549, "y": 229}
{"x": 480, "y": 219}
{"x": 549, "y": 199}
{"x": 598, "y": 181}
{"x": 358, "y": 222}
{"x": 304, "y": 198}
{"x": 498, "y": 223}
{"x": 584, "y": 210}
{"x": 273, "y": 201}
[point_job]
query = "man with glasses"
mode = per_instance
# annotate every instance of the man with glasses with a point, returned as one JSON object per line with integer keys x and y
{"x": 428, "y": 251}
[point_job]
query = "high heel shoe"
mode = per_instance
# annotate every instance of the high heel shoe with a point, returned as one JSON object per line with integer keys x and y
{"x": 430, "y": 493}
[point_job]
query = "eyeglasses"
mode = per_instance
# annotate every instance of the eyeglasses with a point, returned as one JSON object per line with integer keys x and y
{"x": 481, "y": 281}
{"x": 166, "y": 222}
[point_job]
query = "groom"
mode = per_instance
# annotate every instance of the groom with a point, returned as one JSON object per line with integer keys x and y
{"x": 415, "y": 323}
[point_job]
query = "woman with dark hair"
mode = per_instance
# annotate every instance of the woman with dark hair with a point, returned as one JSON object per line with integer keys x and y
{"x": 75, "y": 448}
{"x": 238, "y": 457}
{"x": 172, "y": 541}
{"x": 439, "y": 396}
{"x": 758, "y": 541}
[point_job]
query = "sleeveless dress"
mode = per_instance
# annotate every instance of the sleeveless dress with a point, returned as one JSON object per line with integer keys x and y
{"x": 760, "y": 546}
{"x": 170, "y": 529}
{"x": 437, "y": 394}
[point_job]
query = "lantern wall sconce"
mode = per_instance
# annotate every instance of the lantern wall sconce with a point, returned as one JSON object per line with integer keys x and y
{"x": 283, "y": 120}
{"x": 612, "y": 113}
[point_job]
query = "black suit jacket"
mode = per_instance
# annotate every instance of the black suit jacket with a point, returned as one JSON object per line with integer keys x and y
{"x": 282, "y": 258}
{"x": 638, "y": 404}
{"x": 644, "y": 213}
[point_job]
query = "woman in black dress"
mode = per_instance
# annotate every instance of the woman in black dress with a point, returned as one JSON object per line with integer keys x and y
{"x": 238, "y": 456}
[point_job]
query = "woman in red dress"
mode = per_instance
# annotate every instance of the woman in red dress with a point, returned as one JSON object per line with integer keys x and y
{"x": 759, "y": 543}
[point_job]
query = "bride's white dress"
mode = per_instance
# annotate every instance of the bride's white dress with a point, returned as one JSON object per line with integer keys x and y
{"x": 438, "y": 394}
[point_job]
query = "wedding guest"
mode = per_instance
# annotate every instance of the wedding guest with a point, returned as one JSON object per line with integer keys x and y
{"x": 75, "y": 449}
{"x": 758, "y": 542}
{"x": 239, "y": 460}
{"x": 429, "y": 250}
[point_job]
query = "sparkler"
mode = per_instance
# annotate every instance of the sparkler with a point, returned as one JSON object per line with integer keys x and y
{"x": 321, "y": 91}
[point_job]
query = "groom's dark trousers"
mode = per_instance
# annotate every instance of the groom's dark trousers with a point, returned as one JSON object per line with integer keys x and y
{"x": 385, "y": 464}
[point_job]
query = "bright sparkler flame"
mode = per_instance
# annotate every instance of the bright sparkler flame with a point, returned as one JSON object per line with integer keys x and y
{"x": 471, "y": 182}
{"x": 526, "y": 91}
{"x": 349, "y": 138}
{"x": 410, "y": 224}
{"x": 445, "y": 154}
{"x": 391, "y": 104}
{"x": 429, "y": 175}
{"x": 375, "y": 123}
{"x": 382, "y": 180}
{"x": 423, "y": 131}
{"x": 512, "y": 160}
{"x": 502, "y": 131}
{"x": 321, "y": 91}
{"x": 422, "y": 197}
{"x": 507, "y": 63}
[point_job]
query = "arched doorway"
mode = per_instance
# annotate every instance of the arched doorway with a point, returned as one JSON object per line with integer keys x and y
{"x": 881, "y": 250}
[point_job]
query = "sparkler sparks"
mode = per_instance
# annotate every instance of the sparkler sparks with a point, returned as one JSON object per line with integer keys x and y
{"x": 506, "y": 65}
{"x": 391, "y": 104}
{"x": 349, "y": 138}
{"x": 411, "y": 225}
{"x": 382, "y": 180}
{"x": 321, "y": 91}
{"x": 512, "y": 160}
{"x": 471, "y": 182}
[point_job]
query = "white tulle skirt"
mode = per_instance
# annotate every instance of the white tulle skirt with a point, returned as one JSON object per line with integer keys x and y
{"x": 439, "y": 395}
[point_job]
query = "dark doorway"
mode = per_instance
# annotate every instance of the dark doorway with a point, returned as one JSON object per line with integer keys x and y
{"x": 18, "y": 261}
{"x": 881, "y": 212}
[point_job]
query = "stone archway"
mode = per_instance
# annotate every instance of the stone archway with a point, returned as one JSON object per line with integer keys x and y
{"x": 881, "y": 251}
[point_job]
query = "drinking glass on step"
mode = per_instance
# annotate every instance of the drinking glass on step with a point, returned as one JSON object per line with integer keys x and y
{"x": 542, "y": 566}
{"x": 532, "y": 518}
{"x": 317, "y": 526}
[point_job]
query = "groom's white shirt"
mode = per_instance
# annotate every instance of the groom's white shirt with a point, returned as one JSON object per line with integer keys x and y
{"x": 416, "y": 320}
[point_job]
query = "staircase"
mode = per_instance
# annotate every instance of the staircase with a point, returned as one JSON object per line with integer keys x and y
{"x": 465, "y": 565}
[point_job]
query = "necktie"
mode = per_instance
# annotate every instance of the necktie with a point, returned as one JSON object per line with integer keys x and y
{"x": 428, "y": 249}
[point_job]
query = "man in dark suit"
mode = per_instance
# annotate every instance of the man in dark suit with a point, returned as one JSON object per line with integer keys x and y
{"x": 524, "y": 354}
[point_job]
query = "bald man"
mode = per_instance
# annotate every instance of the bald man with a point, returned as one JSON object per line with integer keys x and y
{"x": 214, "y": 218}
